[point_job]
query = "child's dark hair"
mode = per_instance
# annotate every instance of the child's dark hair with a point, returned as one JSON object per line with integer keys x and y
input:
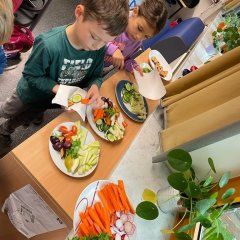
{"x": 112, "y": 14}
{"x": 154, "y": 12}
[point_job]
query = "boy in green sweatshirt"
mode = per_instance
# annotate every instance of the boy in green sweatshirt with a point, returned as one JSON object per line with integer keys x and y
{"x": 69, "y": 55}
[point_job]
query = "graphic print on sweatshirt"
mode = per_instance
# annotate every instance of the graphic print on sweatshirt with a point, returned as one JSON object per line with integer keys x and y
{"x": 73, "y": 71}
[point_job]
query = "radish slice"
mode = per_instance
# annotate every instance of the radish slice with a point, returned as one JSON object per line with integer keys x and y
{"x": 116, "y": 230}
{"x": 118, "y": 214}
{"x": 125, "y": 237}
{"x": 129, "y": 228}
{"x": 117, "y": 237}
{"x": 130, "y": 218}
{"x": 124, "y": 218}
{"x": 119, "y": 223}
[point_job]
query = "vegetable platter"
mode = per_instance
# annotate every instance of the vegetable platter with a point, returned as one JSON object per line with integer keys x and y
{"x": 73, "y": 149}
{"x": 131, "y": 101}
{"x": 103, "y": 208}
{"x": 107, "y": 121}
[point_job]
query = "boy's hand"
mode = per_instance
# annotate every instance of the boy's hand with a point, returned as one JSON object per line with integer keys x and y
{"x": 118, "y": 59}
{"x": 93, "y": 94}
{"x": 55, "y": 88}
{"x": 139, "y": 69}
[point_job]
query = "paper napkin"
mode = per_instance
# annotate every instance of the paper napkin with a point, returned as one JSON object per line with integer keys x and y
{"x": 150, "y": 84}
{"x": 65, "y": 94}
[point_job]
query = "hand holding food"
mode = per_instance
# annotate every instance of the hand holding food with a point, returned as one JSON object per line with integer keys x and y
{"x": 118, "y": 59}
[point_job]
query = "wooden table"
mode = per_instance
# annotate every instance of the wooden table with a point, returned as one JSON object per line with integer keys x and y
{"x": 59, "y": 190}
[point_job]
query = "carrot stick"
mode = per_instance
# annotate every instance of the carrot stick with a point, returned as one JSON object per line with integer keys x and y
{"x": 95, "y": 219}
{"x": 114, "y": 187}
{"x": 121, "y": 185}
{"x": 79, "y": 231}
{"x": 90, "y": 221}
{"x": 97, "y": 207}
{"x": 103, "y": 215}
{"x": 85, "y": 222}
{"x": 98, "y": 229}
{"x": 82, "y": 215}
{"x": 107, "y": 220}
{"x": 112, "y": 197}
{"x": 123, "y": 200}
{"x": 105, "y": 201}
{"x": 84, "y": 229}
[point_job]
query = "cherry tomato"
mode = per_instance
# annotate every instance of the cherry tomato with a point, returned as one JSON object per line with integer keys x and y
{"x": 63, "y": 129}
{"x": 74, "y": 129}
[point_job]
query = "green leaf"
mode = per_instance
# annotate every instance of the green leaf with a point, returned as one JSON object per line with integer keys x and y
{"x": 167, "y": 231}
{"x": 214, "y": 195}
{"x": 177, "y": 181}
{"x": 215, "y": 214}
{"x": 208, "y": 181}
{"x": 224, "y": 179}
{"x": 186, "y": 227}
{"x": 222, "y": 209}
{"x": 203, "y": 205}
{"x": 206, "y": 223}
{"x": 228, "y": 193}
{"x": 179, "y": 160}
{"x": 192, "y": 190}
{"x": 211, "y": 164}
{"x": 216, "y": 236}
{"x": 147, "y": 210}
{"x": 183, "y": 236}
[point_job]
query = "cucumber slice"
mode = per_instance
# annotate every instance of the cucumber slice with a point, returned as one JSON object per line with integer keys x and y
{"x": 76, "y": 98}
{"x": 99, "y": 122}
{"x": 128, "y": 86}
{"x": 126, "y": 97}
{"x": 110, "y": 137}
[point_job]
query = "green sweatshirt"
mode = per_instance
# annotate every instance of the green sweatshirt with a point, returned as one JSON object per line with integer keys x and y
{"x": 53, "y": 61}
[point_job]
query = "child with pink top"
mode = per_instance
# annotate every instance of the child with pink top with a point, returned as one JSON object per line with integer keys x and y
{"x": 145, "y": 21}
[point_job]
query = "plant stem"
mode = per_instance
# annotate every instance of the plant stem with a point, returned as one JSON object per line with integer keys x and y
{"x": 180, "y": 220}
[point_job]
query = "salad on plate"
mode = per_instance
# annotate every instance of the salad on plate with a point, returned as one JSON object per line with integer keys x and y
{"x": 107, "y": 121}
{"x": 73, "y": 149}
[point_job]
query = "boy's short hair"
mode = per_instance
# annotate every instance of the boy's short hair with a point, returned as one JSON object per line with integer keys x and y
{"x": 112, "y": 14}
{"x": 6, "y": 20}
{"x": 154, "y": 12}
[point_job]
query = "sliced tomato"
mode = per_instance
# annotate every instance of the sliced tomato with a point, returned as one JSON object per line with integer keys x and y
{"x": 63, "y": 129}
{"x": 74, "y": 129}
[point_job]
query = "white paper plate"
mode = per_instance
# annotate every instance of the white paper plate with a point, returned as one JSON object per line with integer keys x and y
{"x": 55, "y": 155}
{"x": 162, "y": 61}
{"x": 87, "y": 198}
{"x": 93, "y": 124}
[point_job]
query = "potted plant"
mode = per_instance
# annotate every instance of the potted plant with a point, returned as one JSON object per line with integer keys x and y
{"x": 197, "y": 197}
{"x": 227, "y": 34}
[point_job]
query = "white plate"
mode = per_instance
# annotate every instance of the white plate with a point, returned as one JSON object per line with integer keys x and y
{"x": 87, "y": 198}
{"x": 162, "y": 61}
{"x": 93, "y": 124}
{"x": 55, "y": 155}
